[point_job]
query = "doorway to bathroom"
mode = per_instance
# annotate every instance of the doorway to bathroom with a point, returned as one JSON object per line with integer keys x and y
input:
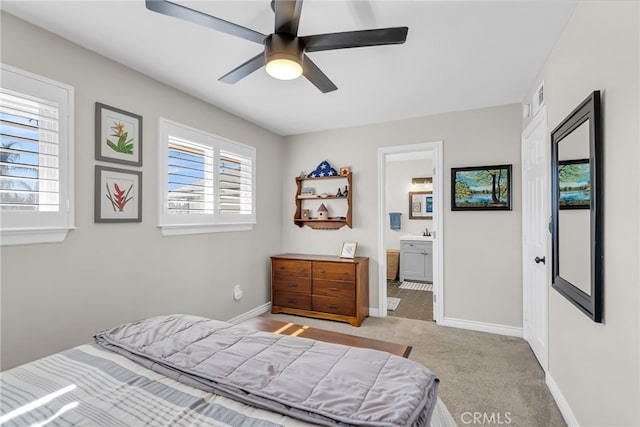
{"x": 410, "y": 231}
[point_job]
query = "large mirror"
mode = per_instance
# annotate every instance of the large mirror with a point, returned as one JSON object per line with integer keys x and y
{"x": 576, "y": 215}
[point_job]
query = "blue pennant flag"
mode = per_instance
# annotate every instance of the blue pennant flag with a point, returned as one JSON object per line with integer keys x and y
{"x": 323, "y": 169}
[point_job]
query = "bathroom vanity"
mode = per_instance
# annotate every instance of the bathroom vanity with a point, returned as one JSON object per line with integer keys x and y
{"x": 416, "y": 258}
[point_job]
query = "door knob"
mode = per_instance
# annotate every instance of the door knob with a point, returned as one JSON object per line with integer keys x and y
{"x": 539, "y": 260}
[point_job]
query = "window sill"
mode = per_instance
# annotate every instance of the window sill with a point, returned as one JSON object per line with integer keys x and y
{"x": 29, "y": 236}
{"x": 177, "y": 230}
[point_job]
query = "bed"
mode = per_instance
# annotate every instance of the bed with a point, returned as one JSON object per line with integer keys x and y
{"x": 93, "y": 384}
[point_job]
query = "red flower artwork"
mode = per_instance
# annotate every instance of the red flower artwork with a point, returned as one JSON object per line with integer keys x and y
{"x": 118, "y": 198}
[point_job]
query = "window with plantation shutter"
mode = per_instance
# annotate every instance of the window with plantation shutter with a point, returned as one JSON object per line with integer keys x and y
{"x": 189, "y": 177}
{"x": 36, "y": 158}
{"x": 207, "y": 183}
{"x": 236, "y": 188}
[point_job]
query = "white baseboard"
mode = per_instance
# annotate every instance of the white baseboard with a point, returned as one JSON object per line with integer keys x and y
{"x": 374, "y": 312}
{"x": 251, "y": 313}
{"x": 563, "y": 405}
{"x": 492, "y": 328}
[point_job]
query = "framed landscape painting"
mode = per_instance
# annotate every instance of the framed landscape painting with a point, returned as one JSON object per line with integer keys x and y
{"x": 118, "y": 136}
{"x": 574, "y": 184}
{"x": 481, "y": 188}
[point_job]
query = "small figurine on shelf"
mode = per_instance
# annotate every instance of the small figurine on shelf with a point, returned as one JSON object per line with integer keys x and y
{"x": 339, "y": 193}
{"x": 323, "y": 212}
{"x": 345, "y": 192}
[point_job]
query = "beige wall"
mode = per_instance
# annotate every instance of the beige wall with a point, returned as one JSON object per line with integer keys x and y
{"x": 482, "y": 265}
{"x": 596, "y": 366}
{"x": 55, "y": 296}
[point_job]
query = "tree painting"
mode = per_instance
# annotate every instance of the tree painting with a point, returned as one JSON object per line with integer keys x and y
{"x": 482, "y": 187}
{"x": 574, "y": 184}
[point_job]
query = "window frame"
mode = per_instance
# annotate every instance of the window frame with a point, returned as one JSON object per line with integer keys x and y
{"x": 172, "y": 224}
{"x": 18, "y": 228}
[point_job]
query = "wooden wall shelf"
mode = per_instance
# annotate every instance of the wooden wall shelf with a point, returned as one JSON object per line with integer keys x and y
{"x": 323, "y": 224}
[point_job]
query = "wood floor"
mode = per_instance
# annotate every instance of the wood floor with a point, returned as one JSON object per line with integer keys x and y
{"x": 416, "y": 305}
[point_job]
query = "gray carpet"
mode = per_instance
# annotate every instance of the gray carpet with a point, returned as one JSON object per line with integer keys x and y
{"x": 479, "y": 372}
{"x": 413, "y": 305}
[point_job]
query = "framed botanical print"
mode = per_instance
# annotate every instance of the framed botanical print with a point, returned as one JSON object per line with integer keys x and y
{"x": 118, "y": 136}
{"x": 118, "y": 195}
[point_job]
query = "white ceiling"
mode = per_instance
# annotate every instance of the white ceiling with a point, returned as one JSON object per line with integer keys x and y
{"x": 459, "y": 55}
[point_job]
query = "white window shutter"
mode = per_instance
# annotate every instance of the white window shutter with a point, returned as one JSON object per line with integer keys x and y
{"x": 36, "y": 158}
{"x": 206, "y": 183}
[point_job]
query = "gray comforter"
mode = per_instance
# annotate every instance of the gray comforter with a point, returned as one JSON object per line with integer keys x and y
{"x": 314, "y": 381}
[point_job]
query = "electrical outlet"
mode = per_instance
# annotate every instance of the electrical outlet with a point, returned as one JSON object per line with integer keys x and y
{"x": 237, "y": 293}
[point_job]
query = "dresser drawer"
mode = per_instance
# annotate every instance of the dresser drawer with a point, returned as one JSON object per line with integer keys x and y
{"x": 290, "y": 268}
{"x": 334, "y": 288}
{"x": 292, "y": 300}
{"x": 334, "y": 271}
{"x": 292, "y": 284}
{"x": 344, "y": 306}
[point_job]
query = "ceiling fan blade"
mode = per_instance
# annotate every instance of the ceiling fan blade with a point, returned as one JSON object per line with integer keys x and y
{"x": 182, "y": 12}
{"x": 349, "y": 39}
{"x": 316, "y": 76}
{"x": 244, "y": 70}
{"x": 287, "y": 16}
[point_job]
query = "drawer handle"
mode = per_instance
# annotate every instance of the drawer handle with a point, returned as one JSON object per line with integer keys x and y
{"x": 292, "y": 285}
{"x": 333, "y": 306}
{"x": 303, "y": 269}
{"x": 291, "y": 300}
{"x": 333, "y": 289}
{"x": 321, "y": 271}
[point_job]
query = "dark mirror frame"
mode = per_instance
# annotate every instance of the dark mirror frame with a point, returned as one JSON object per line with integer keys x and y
{"x": 591, "y": 304}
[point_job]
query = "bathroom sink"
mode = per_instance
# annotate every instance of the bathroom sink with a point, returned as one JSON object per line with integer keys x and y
{"x": 418, "y": 238}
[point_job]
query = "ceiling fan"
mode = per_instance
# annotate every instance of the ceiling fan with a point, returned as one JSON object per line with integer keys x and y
{"x": 284, "y": 51}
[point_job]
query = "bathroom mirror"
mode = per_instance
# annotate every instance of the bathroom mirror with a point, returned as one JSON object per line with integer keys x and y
{"x": 420, "y": 205}
{"x": 576, "y": 207}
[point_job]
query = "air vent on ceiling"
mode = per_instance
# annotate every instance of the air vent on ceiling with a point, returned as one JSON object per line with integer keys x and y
{"x": 538, "y": 98}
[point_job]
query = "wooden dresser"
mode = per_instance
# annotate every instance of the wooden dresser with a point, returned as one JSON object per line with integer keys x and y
{"x": 326, "y": 287}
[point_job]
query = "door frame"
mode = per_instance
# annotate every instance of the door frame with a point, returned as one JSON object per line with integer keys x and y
{"x": 436, "y": 149}
{"x": 540, "y": 119}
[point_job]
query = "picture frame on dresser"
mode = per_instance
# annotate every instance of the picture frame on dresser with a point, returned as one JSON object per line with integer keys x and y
{"x": 348, "y": 250}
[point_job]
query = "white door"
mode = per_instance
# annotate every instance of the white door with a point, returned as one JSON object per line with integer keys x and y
{"x": 535, "y": 235}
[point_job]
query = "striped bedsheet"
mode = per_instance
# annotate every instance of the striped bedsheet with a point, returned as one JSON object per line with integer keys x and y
{"x": 90, "y": 386}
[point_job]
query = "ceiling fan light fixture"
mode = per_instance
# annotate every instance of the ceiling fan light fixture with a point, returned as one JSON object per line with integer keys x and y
{"x": 283, "y": 56}
{"x": 284, "y": 69}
